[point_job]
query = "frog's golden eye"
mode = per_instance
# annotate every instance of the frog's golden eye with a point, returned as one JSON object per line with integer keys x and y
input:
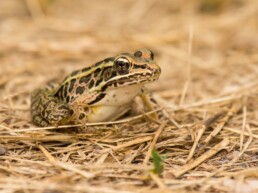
{"x": 122, "y": 65}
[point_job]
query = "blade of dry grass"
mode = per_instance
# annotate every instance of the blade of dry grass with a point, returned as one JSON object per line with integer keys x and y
{"x": 133, "y": 142}
{"x": 157, "y": 180}
{"x": 243, "y": 128}
{"x": 235, "y": 107}
{"x": 239, "y": 132}
{"x": 222, "y": 145}
{"x": 201, "y": 128}
{"x": 154, "y": 141}
{"x": 62, "y": 165}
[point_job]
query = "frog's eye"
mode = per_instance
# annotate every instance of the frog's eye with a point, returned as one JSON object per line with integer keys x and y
{"x": 122, "y": 65}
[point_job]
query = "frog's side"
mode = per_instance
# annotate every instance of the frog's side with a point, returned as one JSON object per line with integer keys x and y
{"x": 98, "y": 93}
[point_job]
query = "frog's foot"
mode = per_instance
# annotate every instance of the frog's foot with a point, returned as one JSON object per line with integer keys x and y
{"x": 39, "y": 120}
{"x": 47, "y": 110}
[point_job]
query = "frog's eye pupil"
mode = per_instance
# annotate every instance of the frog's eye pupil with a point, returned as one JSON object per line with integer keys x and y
{"x": 122, "y": 65}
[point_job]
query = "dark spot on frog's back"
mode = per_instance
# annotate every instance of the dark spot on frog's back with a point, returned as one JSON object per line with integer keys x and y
{"x": 71, "y": 85}
{"x": 67, "y": 99}
{"x": 108, "y": 59}
{"x": 91, "y": 84}
{"x": 80, "y": 90}
{"x": 59, "y": 94}
{"x": 65, "y": 90}
{"x": 96, "y": 72}
{"x": 75, "y": 72}
{"x": 103, "y": 61}
{"x": 99, "y": 81}
{"x": 98, "y": 63}
{"x": 85, "y": 79}
{"x": 85, "y": 69}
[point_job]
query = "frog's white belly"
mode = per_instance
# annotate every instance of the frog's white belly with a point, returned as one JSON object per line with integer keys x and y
{"x": 116, "y": 102}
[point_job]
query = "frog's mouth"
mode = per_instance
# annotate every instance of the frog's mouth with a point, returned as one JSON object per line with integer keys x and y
{"x": 132, "y": 79}
{"x": 145, "y": 75}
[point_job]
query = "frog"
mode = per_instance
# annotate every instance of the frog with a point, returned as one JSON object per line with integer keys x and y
{"x": 101, "y": 92}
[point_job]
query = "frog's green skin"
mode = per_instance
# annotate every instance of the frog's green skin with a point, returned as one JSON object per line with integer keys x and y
{"x": 98, "y": 93}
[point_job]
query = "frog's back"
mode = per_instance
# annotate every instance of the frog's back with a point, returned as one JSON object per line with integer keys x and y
{"x": 83, "y": 81}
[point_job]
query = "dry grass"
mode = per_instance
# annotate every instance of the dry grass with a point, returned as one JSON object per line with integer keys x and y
{"x": 208, "y": 53}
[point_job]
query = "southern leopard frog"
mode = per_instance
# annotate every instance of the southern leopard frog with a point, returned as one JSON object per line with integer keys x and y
{"x": 98, "y": 93}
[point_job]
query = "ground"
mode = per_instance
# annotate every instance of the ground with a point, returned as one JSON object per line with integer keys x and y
{"x": 207, "y": 136}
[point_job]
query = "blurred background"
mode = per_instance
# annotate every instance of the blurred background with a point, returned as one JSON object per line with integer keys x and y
{"x": 205, "y": 42}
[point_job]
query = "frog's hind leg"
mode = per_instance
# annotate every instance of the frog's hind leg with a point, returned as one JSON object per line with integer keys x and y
{"x": 47, "y": 110}
{"x": 39, "y": 120}
{"x": 36, "y": 107}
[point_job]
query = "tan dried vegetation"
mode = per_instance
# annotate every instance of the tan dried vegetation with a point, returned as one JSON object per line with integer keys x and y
{"x": 208, "y": 91}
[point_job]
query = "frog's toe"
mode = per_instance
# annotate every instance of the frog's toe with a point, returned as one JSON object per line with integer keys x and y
{"x": 40, "y": 121}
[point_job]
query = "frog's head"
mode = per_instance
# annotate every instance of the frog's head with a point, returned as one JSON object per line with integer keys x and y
{"x": 123, "y": 71}
{"x": 130, "y": 69}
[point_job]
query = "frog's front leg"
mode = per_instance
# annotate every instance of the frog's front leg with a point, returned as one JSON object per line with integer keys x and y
{"x": 150, "y": 103}
{"x": 47, "y": 110}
